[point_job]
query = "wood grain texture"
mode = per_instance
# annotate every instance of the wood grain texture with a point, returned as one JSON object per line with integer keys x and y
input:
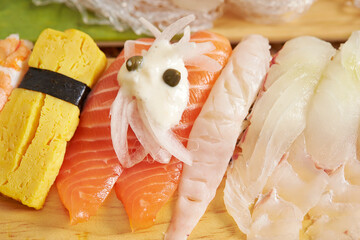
{"x": 52, "y": 222}
{"x": 331, "y": 20}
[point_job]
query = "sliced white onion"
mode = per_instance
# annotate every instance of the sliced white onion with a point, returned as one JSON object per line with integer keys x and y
{"x": 144, "y": 136}
{"x": 119, "y": 127}
{"x": 186, "y": 37}
{"x": 166, "y": 138}
{"x": 192, "y": 54}
{"x": 175, "y": 28}
{"x": 154, "y": 30}
{"x": 200, "y": 48}
{"x": 204, "y": 63}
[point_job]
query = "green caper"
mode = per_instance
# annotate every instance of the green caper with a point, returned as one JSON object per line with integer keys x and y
{"x": 134, "y": 63}
{"x": 172, "y": 77}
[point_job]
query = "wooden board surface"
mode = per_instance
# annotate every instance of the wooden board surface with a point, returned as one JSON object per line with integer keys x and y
{"x": 52, "y": 222}
{"x": 331, "y": 20}
{"x": 111, "y": 222}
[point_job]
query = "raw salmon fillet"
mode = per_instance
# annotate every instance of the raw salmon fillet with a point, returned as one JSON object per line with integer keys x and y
{"x": 147, "y": 186}
{"x": 91, "y": 167}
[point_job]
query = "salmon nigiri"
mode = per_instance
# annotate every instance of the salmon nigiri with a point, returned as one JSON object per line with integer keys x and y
{"x": 147, "y": 186}
{"x": 92, "y": 166}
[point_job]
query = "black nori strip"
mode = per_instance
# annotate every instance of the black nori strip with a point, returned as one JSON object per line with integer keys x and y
{"x": 56, "y": 85}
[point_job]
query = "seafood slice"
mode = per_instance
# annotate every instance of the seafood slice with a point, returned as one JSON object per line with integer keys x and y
{"x": 337, "y": 215}
{"x": 215, "y": 132}
{"x": 148, "y": 185}
{"x": 295, "y": 186}
{"x": 334, "y": 112}
{"x": 14, "y": 54}
{"x": 277, "y": 119}
{"x": 270, "y": 215}
{"x": 91, "y": 167}
{"x": 296, "y": 178}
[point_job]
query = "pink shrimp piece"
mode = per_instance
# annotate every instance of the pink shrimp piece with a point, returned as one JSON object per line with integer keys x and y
{"x": 14, "y": 54}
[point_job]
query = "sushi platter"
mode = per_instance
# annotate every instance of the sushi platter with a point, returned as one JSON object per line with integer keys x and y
{"x": 88, "y": 153}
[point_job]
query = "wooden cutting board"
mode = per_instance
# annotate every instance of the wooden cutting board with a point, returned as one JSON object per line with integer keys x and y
{"x": 331, "y": 20}
{"x": 52, "y": 222}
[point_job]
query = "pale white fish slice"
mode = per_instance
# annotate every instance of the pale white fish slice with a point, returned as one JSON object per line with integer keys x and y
{"x": 215, "y": 131}
{"x": 342, "y": 190}
{"x": 289, "y": 54}
{"x": 277, "y": 119}
{"x": 337, "y": 215}
{"x": 146, "y": 139}
{"x": 334, "y": 113}
{"x": 274, "y": 219}
{"x": 352, "y": 171}
{"x": 285, "y": 121}
{"x": 297, "y": 180}
{"x": 334, "y": 220}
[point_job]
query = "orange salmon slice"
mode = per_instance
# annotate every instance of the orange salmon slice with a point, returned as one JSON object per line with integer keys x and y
{"x": 91, "y": 168}
{"x": 146, "y": 187}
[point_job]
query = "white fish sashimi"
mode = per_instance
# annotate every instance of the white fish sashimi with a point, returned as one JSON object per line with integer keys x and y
{"x": 352, "y": 171}
{"x": 334, "y": 113}
{"x": 274, "y": 219}
{"x": 334, "y": 221}
{"x": 215, "y": 131}
{"x": 297, "y": 180}
{"x": 337, "y": 215}
{"x": 295, "y": 186}
{"x": 277, "y": 119}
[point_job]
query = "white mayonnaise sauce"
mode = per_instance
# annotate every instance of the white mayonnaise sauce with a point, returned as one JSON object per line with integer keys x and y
{"x": 163, "y": 103}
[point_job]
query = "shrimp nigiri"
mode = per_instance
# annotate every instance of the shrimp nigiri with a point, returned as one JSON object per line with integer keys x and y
{"x": 14, "y": 54}
{"x": 215, "y": 131}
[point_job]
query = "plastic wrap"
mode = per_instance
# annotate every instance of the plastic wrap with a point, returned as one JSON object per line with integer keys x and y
{"x": 124, "y": 14}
